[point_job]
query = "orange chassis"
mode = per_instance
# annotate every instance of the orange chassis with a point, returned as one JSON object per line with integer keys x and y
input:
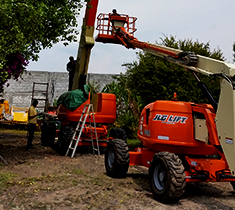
{"x": 104, "y": 112}
{"x": 86, "y": 136}
{"x": 202, "y": 162}
{"x": 200, "y": 169}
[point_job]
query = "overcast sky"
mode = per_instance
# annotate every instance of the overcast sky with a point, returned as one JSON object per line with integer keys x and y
{"x": 202, "y": 20}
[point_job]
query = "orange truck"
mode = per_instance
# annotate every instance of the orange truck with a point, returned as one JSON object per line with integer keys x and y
{"x": 63, "y": 125}
{"x": 104, "y": 113}
{"x": 182, "y": 141}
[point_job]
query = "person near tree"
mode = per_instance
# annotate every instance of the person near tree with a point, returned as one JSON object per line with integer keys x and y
{"x": 71, "y": 70}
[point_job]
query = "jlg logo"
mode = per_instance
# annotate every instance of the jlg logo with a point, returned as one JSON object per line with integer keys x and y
{"x": 170, "y": 118}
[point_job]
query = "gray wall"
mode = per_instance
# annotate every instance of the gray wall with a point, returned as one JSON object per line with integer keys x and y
{"x": 19, "y": 93}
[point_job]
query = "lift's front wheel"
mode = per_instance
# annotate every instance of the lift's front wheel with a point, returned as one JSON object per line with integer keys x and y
{"x": 65, "y": 137}
{"x": 117, "y": 158}
{"x": 44, "y": 129}
{"x": 167, "y": 177}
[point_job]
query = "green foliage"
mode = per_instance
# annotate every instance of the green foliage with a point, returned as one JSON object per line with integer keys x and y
{"x": 133, "y": 143}
{"x": 127, "y": 109}
{"x": 5, "y": 178}
{"x": 118, "y": 87}
{"x": 79, "y": 171}
{"x": 129, "y": 123}
{"x": 28, "y": 26}
{"x": 54, "y": 102}
{"x": 193, "y": 46}
{"x": 94, "y": 87}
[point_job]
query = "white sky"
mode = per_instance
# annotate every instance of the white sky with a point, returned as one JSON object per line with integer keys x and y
{"x": 202, "y": 20}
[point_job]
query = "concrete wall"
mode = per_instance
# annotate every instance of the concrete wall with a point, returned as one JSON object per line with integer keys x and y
{"x": 19, "y": 93}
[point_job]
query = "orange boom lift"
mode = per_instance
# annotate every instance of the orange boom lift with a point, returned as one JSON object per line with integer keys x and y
{"x": 104, "y": 104}
{"x": 183, "y": 141}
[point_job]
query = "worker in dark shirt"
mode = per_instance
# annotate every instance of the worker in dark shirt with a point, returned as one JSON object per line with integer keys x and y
{"x": 71, "y": 70}
{"x": 114, "y": 13}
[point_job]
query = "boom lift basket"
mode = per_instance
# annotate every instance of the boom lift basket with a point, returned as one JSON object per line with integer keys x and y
{"x": 108, "y": 24}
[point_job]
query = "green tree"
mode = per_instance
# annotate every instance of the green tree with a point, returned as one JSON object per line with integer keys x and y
{"x": 127, "y": 109}
{"x": 29, "y": 26}
{"x": 118, "y": 87}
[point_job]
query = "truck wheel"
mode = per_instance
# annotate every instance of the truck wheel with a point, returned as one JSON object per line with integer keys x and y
{"x": 233, "y": 184}
{"x": 51, "y": 132}
{"x": 44, "y": 130}
{"x": 117, "y": 158}
{"x": 118, "y": 133}
{"x": 48, "y": 131}
{"x": 65, "y": 137}
{"x": 167, "y": 177}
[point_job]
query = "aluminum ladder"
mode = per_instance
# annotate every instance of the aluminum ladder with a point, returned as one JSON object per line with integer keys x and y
{"x": 88, "y": 111}
{"x": 40, "y": 92}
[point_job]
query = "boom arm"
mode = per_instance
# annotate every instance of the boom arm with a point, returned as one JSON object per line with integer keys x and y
{"x": 85, "y": 45}
{"x": 225, "y": 115}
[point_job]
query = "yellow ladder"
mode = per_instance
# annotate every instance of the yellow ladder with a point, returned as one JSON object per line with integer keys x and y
{"x": 88, "y": 111}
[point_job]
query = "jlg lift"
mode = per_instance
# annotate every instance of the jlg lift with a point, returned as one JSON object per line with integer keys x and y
{"x": 184, "y": 141}
{"x": 104, "y": 103}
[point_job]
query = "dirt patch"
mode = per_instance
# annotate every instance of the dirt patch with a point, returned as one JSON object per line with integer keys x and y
{"x": 40, "y": 179}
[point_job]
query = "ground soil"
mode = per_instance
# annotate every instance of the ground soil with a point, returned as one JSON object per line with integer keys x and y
{"x": 40, "y": 179}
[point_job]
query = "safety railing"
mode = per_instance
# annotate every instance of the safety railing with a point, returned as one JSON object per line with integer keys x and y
{"x": 107, "y": 24}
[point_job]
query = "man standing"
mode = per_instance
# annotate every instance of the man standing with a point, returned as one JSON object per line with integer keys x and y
{"x": 114, "y": 29}
{"x": 71, "y": 69}
{"x": 32, "y": 121}
{"x": 114, "y": 13}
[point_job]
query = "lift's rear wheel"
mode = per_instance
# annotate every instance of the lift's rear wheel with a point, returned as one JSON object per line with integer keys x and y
{"x": 117, "y": 158}
{"x": 118, "y": 133}
{"x": 48, "y": 133}
{"x": 65, "y": 137}
{"x": 51, "y": 133}
{"x": 44, "y": 133}
{"x": 233, "y": 184}
{"x": 167, "y": 177}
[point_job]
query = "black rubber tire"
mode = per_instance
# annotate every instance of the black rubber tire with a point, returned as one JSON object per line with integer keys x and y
{"x": 51, "y": 133}
{"x": 48, "y": 132}
{"x": 167, "y": 177}
{"x": 233, "y": 184}
{"x": 44, "y": 133}
{"x": 64, "y": 139}
{"x": 118, "y": 133}
{"x": 117, "y": 158}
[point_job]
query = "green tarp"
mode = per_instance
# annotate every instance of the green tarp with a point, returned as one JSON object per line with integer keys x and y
{"x": 73, "y": 99}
